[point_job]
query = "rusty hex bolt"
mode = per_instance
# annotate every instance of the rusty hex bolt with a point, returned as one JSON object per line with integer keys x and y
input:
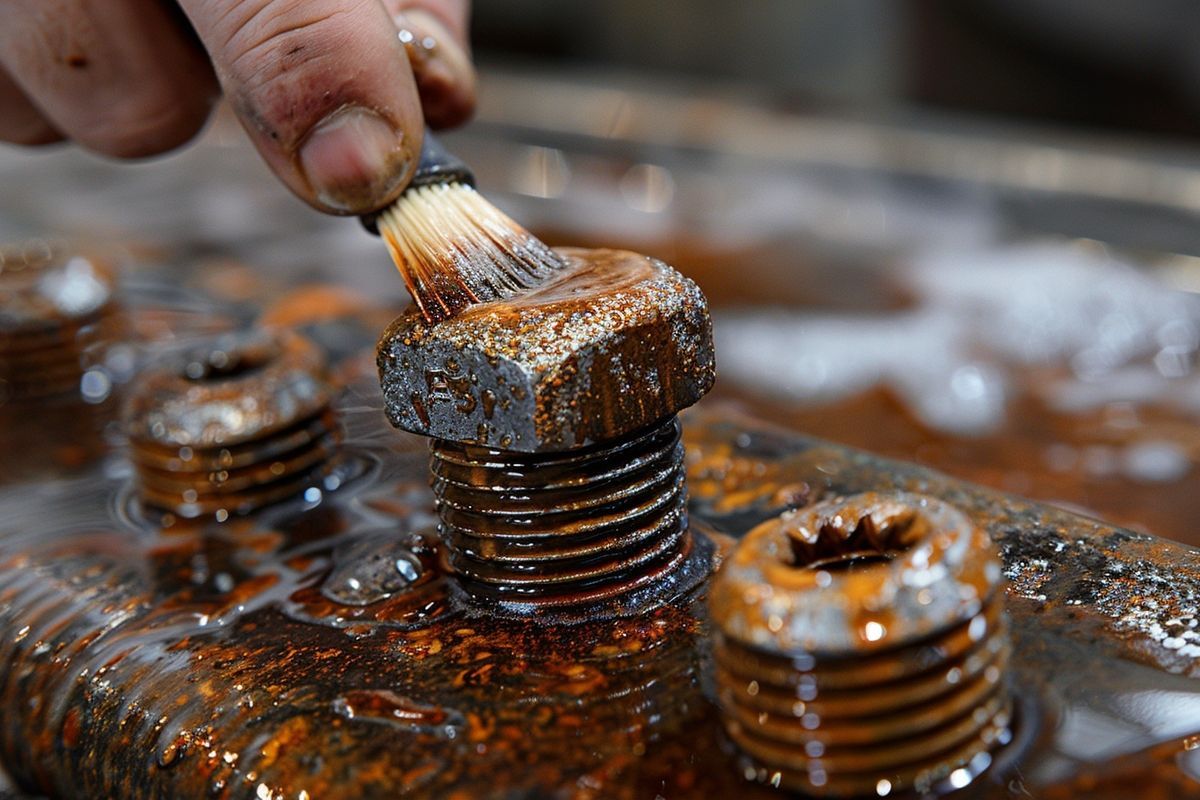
{"x": 237, "y": 423}
{"x": 861, "y": 648}
{"x": 557, "y": 463}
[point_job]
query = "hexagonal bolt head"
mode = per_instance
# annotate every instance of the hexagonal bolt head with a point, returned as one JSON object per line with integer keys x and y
{"x": 615, "y": 342}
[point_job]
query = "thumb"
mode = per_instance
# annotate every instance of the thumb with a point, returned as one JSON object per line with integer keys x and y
{"x": 325, "y": 90}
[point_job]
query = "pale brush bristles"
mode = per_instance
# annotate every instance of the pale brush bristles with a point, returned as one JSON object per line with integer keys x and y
{"x": 455, "y": 249}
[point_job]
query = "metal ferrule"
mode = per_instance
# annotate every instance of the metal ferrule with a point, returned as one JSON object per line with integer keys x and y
{"x": 437, "y": 165}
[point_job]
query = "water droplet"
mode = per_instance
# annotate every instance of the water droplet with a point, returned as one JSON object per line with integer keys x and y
{"x": 95, "y": 385}
{"x": 371, "y": 569}
{"x": 386, "y": 707}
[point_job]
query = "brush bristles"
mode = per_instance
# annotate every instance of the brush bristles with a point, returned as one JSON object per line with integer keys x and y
{"x": 455, "y": 249}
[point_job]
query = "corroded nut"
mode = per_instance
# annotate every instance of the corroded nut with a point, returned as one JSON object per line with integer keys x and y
{"x": 936, "y": 569}
{"x": 53, "y": 306}
{"x": 234, "y": 389}
{"x": 227, "y": 428}
{"x": 42, "y": 287}
{"x": 614, "y": 343}
{"x": 861, "y": 648}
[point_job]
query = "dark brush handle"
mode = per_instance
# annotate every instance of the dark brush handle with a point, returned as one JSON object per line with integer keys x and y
{"x": 437, "y": 165}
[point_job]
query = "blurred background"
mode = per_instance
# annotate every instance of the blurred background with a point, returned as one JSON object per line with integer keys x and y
{"x": 1122, "y": 64}
{"x": 955, "y": 232}
{"x": 960, "y": 233}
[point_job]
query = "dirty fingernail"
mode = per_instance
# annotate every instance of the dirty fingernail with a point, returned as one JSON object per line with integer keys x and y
{"x": 354, "y": 161}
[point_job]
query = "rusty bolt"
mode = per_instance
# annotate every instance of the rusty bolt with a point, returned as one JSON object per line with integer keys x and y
{"x": 227, "y": 427}
{"x": 861, "y": 647}
{"x": 613, "y": 344}
{"x": 557, "y": 462}
{"x": 53, "y": 305}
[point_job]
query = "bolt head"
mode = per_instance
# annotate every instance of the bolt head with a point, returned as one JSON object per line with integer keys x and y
{"x": 614, "y": 343}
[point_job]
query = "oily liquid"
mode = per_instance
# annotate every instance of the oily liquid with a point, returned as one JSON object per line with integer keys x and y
{"x": 319, "y": 646}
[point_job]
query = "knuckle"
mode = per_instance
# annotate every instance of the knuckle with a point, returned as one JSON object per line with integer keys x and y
{"x": 268, "y": 39}
{"x": 284, "y": 64}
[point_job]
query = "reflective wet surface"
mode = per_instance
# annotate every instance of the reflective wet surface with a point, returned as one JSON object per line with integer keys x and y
{"x": 317, "y": 647}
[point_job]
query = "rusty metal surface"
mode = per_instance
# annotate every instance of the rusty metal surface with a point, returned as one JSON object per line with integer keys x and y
{"x": 224, "y": 661}
{"x": 273, "y": 655}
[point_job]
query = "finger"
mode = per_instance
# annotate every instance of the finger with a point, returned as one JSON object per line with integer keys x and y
{"x": 434, "y": 33}
{"x": 119, "y": 77}
{"x": 20, "y": 120}
{"x": 325, "y": 91}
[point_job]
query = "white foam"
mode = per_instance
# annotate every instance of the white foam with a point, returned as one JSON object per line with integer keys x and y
{"x": 1156, "y": 462}
{"x": 981, "y": 309}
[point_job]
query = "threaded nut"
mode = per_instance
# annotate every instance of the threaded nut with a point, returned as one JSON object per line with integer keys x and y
{"x": 53, "y": 307}
{"x": 238, "y": 423}
{"x": 861, "y": 647}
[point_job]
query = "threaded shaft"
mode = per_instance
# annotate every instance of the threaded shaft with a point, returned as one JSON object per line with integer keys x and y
{"x": 196, "y": 482}
{"x": 546, "y": 531}
{"x": 862, "y": 648}
{"x": 239, "y": 423}
{"x": 898, "y": 720}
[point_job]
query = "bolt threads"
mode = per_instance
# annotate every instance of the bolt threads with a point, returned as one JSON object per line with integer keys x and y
{"x": 221, "y": 481}
{"x": 56, "y": 310}
{"x": 537, "y": 532}
{"x": 903, "y": 719}
{"x": 862, "y": 648}
{"x": 238, "y": 423}
{"x": 49, "y": 363}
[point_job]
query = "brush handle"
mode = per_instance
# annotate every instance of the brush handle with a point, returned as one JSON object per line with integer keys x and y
{"x": 437, "y": 165}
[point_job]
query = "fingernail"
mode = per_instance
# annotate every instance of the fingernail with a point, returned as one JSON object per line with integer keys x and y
{"x": 354, "y": 160}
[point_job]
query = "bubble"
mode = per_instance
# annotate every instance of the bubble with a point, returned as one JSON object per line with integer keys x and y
{"x": 371, "y": 570}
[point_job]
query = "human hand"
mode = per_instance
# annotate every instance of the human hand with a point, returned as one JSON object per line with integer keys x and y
{"x": 323, "y": 87}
